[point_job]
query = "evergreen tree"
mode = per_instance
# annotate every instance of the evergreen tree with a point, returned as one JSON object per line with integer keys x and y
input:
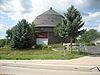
{"x": 70, "y": 27}
{"x": 23, "y": 35}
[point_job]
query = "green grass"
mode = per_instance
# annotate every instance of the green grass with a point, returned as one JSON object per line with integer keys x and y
{"x": 57, "y": 45}
{"x": 29, "y": 54}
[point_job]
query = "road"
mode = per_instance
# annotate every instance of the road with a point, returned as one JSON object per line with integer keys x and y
{"x": 14, "y": 68}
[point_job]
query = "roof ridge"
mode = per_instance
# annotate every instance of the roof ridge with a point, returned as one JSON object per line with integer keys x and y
{"x": 51, "y": 11}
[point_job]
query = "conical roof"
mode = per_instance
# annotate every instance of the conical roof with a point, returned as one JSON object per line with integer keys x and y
{"x": 51, "y": 11}
{"x": 49, "y": 18}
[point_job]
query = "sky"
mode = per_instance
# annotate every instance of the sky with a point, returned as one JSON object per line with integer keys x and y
{"x": 12, "y": 11}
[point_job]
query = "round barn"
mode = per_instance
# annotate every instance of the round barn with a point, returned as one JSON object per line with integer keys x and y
{"x": 45, "y": 24}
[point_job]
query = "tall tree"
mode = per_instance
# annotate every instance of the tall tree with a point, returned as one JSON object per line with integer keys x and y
{"x": 23, "y": 35}
{"x": 70, "y": 27}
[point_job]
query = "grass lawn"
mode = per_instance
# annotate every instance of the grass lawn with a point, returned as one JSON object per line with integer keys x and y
{"x": 7, "y": 53}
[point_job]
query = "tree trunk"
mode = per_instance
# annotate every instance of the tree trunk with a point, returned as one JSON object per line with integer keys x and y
{"x": 71, "y": 41}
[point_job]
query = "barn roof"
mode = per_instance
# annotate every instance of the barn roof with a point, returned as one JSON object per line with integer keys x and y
{"x": 49, "y": 18}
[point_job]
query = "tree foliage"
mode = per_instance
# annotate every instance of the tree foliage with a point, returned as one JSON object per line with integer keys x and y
{"x": 23, "y": 35}
{"x": 9, "y": 33}
{"x": 70, "y": 27}
{"x": 33, "y": 28}
{"x": 2, "y": 42}
{"x": 89, "y": 36}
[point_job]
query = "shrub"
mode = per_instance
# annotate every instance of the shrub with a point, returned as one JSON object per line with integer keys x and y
{"x": 2, "y": 42}
{"x": 44, "y": 46}
{"x": 38, "y": 46}
{"x": 90, "y": 44}
{"x": 41, "y": 46}
{"x": 56, "y": 45}
{"x": 48, "y": 47}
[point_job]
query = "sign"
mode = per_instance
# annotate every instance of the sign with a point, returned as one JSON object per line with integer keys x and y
{"x": 42, "y": 41}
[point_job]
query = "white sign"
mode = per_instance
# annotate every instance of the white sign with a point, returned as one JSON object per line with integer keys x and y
{"x": 42, "y": 41}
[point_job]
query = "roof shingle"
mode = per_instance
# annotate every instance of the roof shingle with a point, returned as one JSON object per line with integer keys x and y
{"x": 48, "y": 18}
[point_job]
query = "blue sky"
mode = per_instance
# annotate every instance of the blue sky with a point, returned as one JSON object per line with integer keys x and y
{"x": 12, "y": 11}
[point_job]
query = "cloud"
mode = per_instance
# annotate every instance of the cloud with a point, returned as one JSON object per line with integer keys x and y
{"x": 10, "y": 6}
{"x": 94, "y": 3}
{"x": 13, "y": 9}
{"x": 3, "y": 28}
{"x": 19, "y": 9}
{"x": 92, "y": 16}
{"x": 81, "y": 3}
{"x": 92, "y": 20}
{"x": 96, "y": 28}
{"x": 27, "y": 5}
{"x": 29, "y": 9}
{"x": 88, "y": 3}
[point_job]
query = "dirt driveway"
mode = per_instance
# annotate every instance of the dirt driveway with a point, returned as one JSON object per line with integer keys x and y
{"x": 87, "y": 60}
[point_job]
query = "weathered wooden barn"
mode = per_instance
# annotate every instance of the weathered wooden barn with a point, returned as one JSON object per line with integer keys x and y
{"x": 45, "y": 24}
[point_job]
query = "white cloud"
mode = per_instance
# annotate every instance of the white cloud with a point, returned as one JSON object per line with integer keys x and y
{"x": 92, "y": 20}
{"x": 38, "y": 6}
{"x": 16, "y": 9}
{"x": 3, "y": 28}
{"x": 99, "y": 26}
{"x": 82, "y": 4}
{"x": 11, "y": 6}
{"x": 92, "y": 16}
{"x": 88, "y": 4}
{"x": 96, "y": 28}
{"x": 12, "y": 9}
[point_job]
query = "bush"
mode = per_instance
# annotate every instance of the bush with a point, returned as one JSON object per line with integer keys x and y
{"x": 56, "y": 45}
{"x": 41, "y": 46}
{"x": 2, "y": 42}
{"x": 90, "y": 44}
{"x": 48, "y": 47}
{"x": 44, "y": 46}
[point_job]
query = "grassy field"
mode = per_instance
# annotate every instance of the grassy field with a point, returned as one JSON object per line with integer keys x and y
{"x": 29, "y": 54}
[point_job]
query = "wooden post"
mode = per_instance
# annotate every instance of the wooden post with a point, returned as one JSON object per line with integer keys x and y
{"x": 64, "y": 50}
